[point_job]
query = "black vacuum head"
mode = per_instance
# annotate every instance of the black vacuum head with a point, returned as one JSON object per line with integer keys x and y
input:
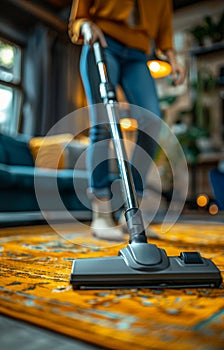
{"x": 145, "y": 266}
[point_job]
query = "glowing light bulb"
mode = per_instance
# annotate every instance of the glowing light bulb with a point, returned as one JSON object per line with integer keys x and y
{"x": 154, "y": 66}
{"x": 213, "y": 209}
{"x": 159, "y": 68}
{"x": 202, "y": 200}
{"x": 128, "y": 124}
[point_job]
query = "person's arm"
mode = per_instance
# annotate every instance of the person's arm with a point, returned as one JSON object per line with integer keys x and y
{"x": 79, "y": 14}
{"x": 164, "y": 41}
{"x": 178, "y": 72}
{"x": 81, "y": 29}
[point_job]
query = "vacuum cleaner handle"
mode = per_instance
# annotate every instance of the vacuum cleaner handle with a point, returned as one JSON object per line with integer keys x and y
{"x": 107, "y": 90}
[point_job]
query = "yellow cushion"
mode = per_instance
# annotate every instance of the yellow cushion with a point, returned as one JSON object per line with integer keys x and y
{"x": 49, "y": 151}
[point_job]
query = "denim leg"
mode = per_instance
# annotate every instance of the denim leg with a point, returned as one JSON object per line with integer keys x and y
{"x": 140, "y": 90}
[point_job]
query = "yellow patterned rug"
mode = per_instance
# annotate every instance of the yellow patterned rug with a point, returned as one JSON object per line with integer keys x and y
{"x": 35, "y": 270}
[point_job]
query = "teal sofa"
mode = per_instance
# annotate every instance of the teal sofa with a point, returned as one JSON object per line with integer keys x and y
{"x": 24, "y": 187}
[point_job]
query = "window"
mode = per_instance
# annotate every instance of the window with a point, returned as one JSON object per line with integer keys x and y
{"x": 10, "y": 86}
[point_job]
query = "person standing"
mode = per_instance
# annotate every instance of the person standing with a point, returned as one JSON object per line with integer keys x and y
{"x": 125, "y": 30}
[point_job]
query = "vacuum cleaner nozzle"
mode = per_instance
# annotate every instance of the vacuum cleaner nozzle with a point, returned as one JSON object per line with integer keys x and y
{"x": 143, "y": 265}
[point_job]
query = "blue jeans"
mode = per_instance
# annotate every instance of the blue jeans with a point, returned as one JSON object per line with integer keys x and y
{"x": 127, "y": 68}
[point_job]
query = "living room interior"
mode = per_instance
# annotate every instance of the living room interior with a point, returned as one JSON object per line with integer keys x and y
{"x": 44, "y": 136}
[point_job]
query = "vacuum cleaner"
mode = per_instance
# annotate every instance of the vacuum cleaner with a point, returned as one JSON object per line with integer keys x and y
{"x": 140, "y": 264}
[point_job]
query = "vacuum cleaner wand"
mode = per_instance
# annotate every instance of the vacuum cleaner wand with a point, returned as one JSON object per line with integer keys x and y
{"x": 108, "y": 95}
{"x": 140, "y": 264}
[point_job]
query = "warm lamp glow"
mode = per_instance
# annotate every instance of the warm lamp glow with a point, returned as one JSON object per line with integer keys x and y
{"x": 158, "y": 68}
{"x": 213, "y": 209}
{"x": 202, "y": 200}
{"x": 128, "y": 124}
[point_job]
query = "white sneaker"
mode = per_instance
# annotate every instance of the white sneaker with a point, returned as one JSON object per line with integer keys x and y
{"x": 103, "y": 225}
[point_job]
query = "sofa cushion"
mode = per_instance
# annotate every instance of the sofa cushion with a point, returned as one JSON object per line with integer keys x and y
{"x": 45, "y": 179}
{"x": 76, "y": 155}
{"x": 16, "y": 176}
{"x": 16, "y": 150}
{"x": 6, "y": 180}
{"x": 2, "y": 154}
{"x": 49, "y": 151}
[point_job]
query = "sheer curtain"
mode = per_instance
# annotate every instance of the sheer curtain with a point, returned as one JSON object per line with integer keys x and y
{"x": 52, "y": 85}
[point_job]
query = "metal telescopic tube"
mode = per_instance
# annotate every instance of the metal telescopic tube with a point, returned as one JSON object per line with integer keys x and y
{"x": 107, "y": 92}
{"x": 102, "y": 72}
{"x": 125, "y": 172}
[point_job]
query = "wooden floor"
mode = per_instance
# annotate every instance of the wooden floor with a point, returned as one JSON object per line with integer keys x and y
{"x": 19, "y": 335}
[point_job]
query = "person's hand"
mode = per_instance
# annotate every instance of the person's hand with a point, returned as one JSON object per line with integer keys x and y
{"x": 177, "y": 74}
{"x": 91, "y": 33}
